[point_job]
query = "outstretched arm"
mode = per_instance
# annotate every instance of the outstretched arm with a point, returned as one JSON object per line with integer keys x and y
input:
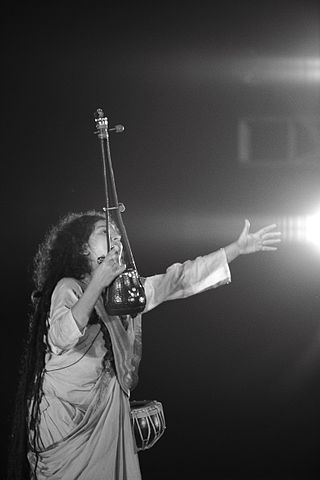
{"x": 209, "y": 271}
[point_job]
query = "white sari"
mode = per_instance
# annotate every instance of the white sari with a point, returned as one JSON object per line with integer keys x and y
{"x": 85, "y": 431}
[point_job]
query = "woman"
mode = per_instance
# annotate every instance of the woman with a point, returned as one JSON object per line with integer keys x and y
{"x": 72, "y": 415}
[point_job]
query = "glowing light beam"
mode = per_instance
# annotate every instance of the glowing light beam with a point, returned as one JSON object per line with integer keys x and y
{"x": 301, "y": 229}
{"x": 312, "y": 229}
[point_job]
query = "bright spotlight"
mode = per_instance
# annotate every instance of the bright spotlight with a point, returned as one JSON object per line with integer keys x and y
{"x": 301, "y": 229}
{"x": 312, "y": 231}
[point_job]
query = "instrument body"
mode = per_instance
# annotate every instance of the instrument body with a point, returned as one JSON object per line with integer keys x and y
{"x": 148, "y": 422}
{"x": 125, "y": 296}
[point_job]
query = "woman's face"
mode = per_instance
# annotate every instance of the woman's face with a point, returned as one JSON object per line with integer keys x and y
{"x": 97, "y": 243}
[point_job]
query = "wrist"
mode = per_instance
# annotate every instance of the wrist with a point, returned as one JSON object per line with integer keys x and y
{"x": 239, "y": 248}
{"x": 96, "y": 286}
{"x": 232, "y": 251}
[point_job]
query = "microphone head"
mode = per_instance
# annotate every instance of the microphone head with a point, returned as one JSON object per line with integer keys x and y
{"x": 119, "y": 128}
{"x": 116, "y": 129}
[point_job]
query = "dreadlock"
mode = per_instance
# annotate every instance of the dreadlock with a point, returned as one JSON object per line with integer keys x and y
{"x": 59, "y": 256}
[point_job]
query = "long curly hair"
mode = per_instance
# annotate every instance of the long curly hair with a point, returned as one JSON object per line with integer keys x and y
{"x": 60, "y": 255}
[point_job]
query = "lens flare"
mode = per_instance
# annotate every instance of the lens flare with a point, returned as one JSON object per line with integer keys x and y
{"x": 313, "y": 229}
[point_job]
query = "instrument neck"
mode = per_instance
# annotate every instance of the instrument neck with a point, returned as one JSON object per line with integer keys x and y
{"x": 112, "y": 210}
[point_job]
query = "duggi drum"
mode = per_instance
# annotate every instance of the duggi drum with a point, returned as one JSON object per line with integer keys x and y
{"x": 148, "y": 422}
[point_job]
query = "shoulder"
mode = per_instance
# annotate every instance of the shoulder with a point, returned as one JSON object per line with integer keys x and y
{"x": 68, "y": 284}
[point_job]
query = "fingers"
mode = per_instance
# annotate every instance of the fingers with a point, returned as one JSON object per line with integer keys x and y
{"x": 272, "y": 235}
{"x": 122, "y": 268}
{"x": 271, "y": 242}
{"x": 115, "y": 254}
{"x": 114, "y": 250}
{"x": 266, "y": 229}
{"x": 112, "y": 260}
{"x": 112, "y": 266}
{"x": 269, "y": 239}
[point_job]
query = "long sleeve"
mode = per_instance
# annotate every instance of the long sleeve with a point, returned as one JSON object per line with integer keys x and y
{"x": 64, "y": 332}
{"x": 182, "y": 280}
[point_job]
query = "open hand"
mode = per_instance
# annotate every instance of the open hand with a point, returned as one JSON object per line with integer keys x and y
{"x": 264, "y": 239}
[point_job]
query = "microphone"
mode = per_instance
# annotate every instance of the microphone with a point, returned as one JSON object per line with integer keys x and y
{"x": 116, "y": 129}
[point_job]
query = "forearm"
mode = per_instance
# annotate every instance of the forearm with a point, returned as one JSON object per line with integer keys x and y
{"x": 232, "y": 251}
{"x": 189, "y": 278}
{"x": 82, "y": 310}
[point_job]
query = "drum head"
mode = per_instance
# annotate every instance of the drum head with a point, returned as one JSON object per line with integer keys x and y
{"x": 140, "y": 403}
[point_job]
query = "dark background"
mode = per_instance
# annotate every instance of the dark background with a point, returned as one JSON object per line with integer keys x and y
{"x": 237, "y": 368}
